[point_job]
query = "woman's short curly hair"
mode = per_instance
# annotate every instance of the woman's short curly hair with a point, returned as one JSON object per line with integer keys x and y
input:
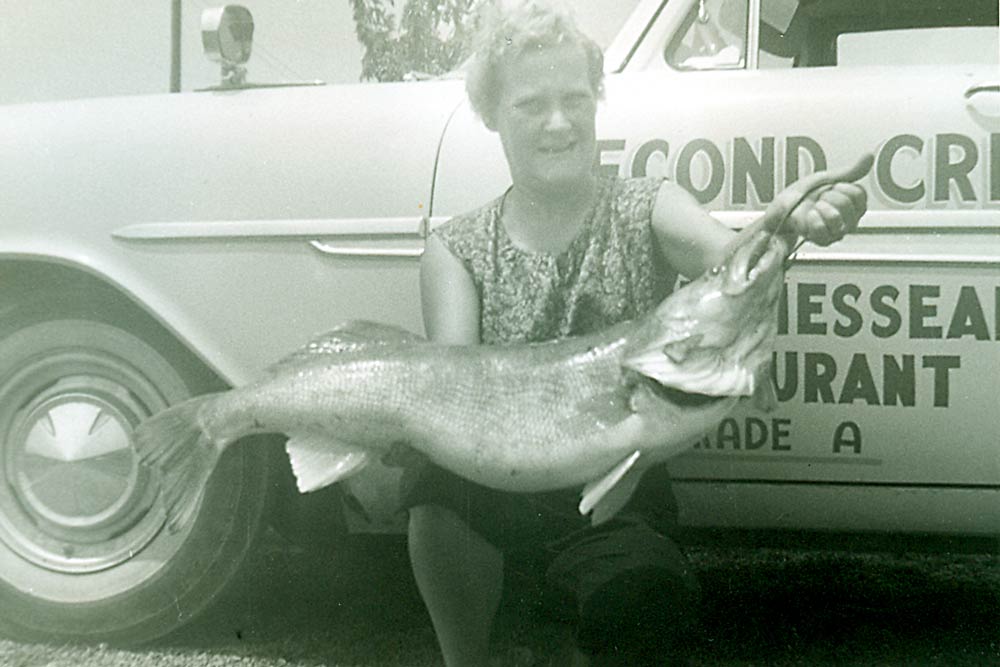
{"x": 507, "y": 29}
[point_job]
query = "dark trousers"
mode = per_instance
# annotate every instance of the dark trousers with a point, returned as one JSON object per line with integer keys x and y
{"x": 633, "y": 592}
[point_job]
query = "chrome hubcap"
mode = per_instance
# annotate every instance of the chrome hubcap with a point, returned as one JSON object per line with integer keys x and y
{"x": 73, "y": 498}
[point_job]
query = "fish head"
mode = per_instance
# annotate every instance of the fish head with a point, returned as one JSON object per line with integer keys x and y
{"x": 714, "y": 335}
{"x": 759, "y": 261}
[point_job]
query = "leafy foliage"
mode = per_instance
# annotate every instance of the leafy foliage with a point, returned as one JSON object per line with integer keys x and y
{"x": 431, "y": 37}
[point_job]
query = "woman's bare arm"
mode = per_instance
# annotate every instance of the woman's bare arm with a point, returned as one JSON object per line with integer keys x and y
{"x": 690, "y": 239}
{"x": 449, "y": 298}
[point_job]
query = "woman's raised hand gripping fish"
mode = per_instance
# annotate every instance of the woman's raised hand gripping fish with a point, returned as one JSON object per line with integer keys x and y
{"x": 593, "y": 410}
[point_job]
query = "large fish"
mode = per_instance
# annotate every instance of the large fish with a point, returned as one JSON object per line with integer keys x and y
{"x": 591, "y": 411}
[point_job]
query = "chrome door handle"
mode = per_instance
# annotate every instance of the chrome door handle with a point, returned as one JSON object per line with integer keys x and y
{"x": 982, "y": 88}
{"x": 400, "y": 228}
{"x": 984, "y": 99}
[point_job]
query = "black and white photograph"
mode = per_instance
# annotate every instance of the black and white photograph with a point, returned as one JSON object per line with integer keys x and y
{"x": 500, "y": 333}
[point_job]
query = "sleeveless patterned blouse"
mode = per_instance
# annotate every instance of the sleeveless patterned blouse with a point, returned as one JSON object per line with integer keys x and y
{"x": 612, "y": 270}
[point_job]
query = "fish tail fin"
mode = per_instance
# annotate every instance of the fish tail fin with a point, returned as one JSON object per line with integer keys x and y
{"x": 173, "y": 445}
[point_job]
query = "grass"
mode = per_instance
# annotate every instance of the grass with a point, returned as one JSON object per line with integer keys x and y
{"x": 761, "y": 607}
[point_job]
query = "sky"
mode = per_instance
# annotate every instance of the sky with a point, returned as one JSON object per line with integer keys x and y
{"x": 61, "y": 49}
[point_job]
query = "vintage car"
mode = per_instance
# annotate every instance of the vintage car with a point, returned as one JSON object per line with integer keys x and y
{"x": 156, "y": 247}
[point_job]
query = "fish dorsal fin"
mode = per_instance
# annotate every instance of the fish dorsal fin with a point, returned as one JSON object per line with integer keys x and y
{"x": 351, "y": 336}
{"x": 319, "y": 461}
{"x": 604, "y": 497}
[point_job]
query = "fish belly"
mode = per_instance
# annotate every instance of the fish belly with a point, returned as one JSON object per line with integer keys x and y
{"x": 532, "y": 427}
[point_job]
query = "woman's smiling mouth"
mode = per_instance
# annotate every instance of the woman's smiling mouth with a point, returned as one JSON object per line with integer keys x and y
{"x": 554, "y": 150}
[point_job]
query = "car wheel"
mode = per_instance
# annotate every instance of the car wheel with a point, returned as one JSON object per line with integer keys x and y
{"x": 83, "y": 551}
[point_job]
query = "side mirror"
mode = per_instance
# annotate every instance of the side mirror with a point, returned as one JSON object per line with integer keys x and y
{"x": 227, "y": 38}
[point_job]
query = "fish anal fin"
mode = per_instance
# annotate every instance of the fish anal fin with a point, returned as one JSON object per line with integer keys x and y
{"x": 319, "y": 461}
{"x": 602, "y": 498}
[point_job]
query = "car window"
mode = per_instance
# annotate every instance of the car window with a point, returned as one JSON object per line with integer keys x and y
{"x": 714, "y": 37}
{"x": 825, "y": 33}
{"x": 920, "y": 46}
{"x": 844, "y": 33}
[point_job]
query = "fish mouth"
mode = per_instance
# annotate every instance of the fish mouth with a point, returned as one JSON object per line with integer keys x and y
{"x": 758, "y": 257}
{"x": 679, "y": 397}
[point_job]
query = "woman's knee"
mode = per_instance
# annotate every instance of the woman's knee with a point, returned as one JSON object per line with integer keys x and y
{"x": 438, "y": 522}
{"x": 437, "y": 530}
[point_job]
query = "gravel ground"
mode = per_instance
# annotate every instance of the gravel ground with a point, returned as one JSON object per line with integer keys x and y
{"x": 762, "y": 607}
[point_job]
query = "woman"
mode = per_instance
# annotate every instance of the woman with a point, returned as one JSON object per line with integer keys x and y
{"x": 563, "y": 252}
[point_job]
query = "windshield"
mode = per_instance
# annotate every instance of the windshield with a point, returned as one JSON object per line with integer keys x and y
{"x": 601, "y": 20}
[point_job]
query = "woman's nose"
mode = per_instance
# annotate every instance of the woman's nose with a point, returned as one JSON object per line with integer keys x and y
{"x": 557, "y": 119}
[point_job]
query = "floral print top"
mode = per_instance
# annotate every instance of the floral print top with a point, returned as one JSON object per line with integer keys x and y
{"x": 612, "y": 270}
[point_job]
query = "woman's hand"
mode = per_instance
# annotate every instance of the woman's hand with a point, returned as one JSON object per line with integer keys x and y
{"x": 827, "y": 214}
{"x": 820, "y": 207}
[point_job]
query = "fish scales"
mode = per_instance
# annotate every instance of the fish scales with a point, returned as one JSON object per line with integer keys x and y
{"x": 514, "y": 408}
{"x": 518, "y": 418}
{"x": 523, "y": 412}
{"x": 349, "y": 396}
{"x": 594, "y": 410}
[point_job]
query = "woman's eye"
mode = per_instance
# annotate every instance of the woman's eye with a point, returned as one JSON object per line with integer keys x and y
{"x": 532, "y": 107}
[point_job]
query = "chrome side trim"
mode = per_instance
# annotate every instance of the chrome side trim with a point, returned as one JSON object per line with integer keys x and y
{"x": 753, "y": 35}
{"x": 877, "y": 221}
{"x": 415, "y": 227}
{"x": 839, "y": 257}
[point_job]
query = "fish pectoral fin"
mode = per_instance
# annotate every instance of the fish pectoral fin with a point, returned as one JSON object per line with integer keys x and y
{"x": 603, "y": 497}
{"x": 319, "y": 461}
{"x": 679, "y": 350}
{"x": 765, "y": 395}
{"x": 663, "y": 362}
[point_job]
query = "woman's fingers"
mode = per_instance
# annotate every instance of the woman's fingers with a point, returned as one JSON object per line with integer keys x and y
{"x": 828, "y": 217}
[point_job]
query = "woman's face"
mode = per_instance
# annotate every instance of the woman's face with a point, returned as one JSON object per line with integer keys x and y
{"x": 545, "y": 117}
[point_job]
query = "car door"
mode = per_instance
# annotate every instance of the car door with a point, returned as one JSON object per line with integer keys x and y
{"x": 888, "y": 348}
